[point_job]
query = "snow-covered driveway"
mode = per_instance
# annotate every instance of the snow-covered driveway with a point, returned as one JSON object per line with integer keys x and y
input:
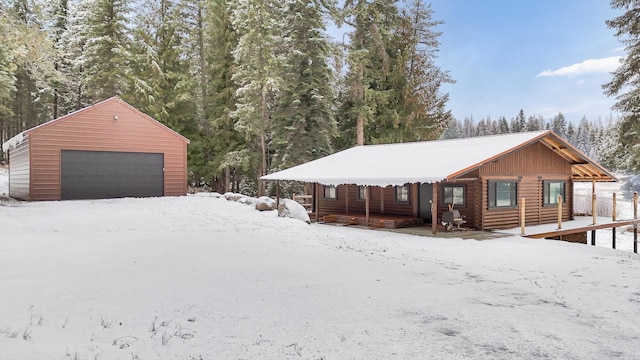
{"x": 202, "y": 278}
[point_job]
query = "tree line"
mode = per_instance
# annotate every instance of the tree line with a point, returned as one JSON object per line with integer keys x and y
{"x": 598, "y": 139}
{"x": 256, "y": 85}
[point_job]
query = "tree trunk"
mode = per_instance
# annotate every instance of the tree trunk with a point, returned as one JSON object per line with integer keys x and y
{"x": 360, "y": 95}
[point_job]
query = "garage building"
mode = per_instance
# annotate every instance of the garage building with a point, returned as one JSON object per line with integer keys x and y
{"x": 107, "y": 150}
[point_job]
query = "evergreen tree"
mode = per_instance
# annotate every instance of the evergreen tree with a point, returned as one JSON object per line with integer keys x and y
{"x": 303, "y": 121}
{"x": 416, "y": 104}
{"x": 257, "y": 69}
{"x": 106, "y": 53}
{"x": 534, "y": 124}
{"x": 626, "y": 79}
{"x": 609, "y": 147}
{"x": 559, "y": 125}
{"x": 160, "y": 82}
{"x": 59, "y": 16}
{"x": 227, "y": 141}
{"x": 519, "y": 123}
{"x": 503, "y": 126}
{"x": 452, "y": 131}
{"x": 369, "y": 64}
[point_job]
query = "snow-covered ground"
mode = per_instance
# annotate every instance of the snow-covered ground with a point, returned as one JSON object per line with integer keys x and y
{"x": 204, "y": 278}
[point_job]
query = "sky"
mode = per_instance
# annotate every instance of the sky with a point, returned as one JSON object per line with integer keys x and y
{"x": 541, "y": 56}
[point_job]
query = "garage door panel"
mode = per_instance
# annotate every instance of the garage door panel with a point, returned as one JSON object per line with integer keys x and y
{"x": 107, "y": 174}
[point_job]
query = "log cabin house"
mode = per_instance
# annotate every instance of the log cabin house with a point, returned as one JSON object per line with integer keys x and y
{"x": 484, "y": 178}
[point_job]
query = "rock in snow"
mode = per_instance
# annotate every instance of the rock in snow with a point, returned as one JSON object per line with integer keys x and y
{"x": 293, "y": 209}
{"x": 233, "y": 196}
{"x": 265, "y": 203}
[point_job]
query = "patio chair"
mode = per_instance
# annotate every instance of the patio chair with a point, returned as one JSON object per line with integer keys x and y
{"x": 451, "y": 218}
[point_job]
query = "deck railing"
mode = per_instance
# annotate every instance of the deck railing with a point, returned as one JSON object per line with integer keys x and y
{"x": 615, "y": 223}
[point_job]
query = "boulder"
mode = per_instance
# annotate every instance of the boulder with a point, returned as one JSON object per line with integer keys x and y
{"x": 293, "y": 209}
{"x": 248, "y": 200}
{"x": 233, "y": 196}
{"x": 265, "y": 203}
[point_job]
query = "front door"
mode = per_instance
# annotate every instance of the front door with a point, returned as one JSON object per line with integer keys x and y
{"x": 426, "y": 195}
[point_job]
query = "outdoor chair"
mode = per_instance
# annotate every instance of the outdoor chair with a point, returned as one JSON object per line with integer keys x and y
{"x": 451, "y": 218}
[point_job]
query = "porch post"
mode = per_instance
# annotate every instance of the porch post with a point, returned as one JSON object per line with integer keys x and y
{"x": 277, "y": 194}
{"x": 613, "y": 218}
{"x": 346, "y": 198}
{"x": 381, "y": 200}
{"x": 316, "y": 201}
{"x": 522, "y": 216}
{"x": 434, "y": 209}
{"x": 635, "y": 226}
{"x": 559, "y": 212}
{"x": 593, "y": 207}
{"x": 367, "y": 195}
{"x": 414, "y": 199}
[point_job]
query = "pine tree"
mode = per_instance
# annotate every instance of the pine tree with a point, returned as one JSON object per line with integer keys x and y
{"x": 106, "y": 52}
{"x": 626, "y": 79}
{"x": 519, "y": 123}
{"x": 223, "y": 161}
{"x": 257, "y": 69}
{"x": 503, "y": 126}
{"x": 303, "y": 121}
{"x": 367, "y": 92}
{"x": 559, "y": 125}
{"x": 452, "y": 131}
{"x": 534, "y": 123}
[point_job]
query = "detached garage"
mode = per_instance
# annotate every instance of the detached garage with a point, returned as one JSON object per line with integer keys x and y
{"x": 108, "y": 150}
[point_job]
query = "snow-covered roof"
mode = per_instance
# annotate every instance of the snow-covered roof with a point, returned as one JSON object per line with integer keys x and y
{"x": 425, "y": 162}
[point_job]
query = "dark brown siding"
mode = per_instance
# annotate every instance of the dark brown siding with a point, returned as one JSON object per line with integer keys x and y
{"x": 355, "y": 206}
{"x": 95, "y": 129}
{"x": 470, "y": 209}
{"x": 532, "y": 165}
{"x": 19, "y": 171}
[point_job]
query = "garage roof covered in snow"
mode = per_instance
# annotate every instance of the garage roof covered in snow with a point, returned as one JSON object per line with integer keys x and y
{"x": 432, "y": 161}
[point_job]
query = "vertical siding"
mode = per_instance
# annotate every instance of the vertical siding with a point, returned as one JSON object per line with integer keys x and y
{"x": 95, "y": 129}
{"x": 533, "y": 164}
{"x": 356, "y": 206}
{"x": 19, "y": 171}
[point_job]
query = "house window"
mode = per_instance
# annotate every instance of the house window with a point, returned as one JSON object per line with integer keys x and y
{"x": 330, "y": 192}
{"x": 503, "y": 194}
{"x": 402, "y": 194}
{"x": 552, "y": 189}
{"x": 453, "y": 195}
{"x": 362, "y": 193}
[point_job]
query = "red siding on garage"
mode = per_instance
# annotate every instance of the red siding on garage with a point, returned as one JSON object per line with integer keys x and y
{"x": 95, "y": 129}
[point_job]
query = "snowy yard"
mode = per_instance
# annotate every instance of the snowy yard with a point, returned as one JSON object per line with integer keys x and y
{"x": 202, "y": 278}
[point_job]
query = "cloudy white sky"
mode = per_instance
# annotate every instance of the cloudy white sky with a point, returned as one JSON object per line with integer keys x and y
{"x": 542, "y": 56}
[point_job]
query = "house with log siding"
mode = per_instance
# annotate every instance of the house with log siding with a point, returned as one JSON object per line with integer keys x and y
{"x": 484, "y": 178}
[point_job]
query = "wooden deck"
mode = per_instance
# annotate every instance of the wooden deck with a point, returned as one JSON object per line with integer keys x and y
{"x": 375, "y": 220}
{"x": 576, "y": 230}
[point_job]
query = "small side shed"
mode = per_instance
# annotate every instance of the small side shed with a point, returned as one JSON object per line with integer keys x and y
{"x": 107, "y": 150}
